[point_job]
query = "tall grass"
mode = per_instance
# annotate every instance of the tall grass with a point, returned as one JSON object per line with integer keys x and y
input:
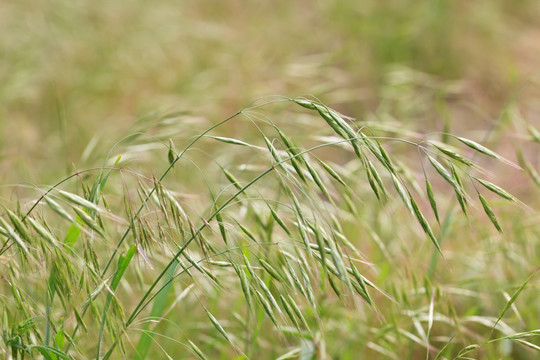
{"x": 288, "y": 230}
{"x": 290, "y": 244}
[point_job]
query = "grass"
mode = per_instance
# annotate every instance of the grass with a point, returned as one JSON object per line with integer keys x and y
{"x": 269, "y": 263}
{"x": 287, "y": 230}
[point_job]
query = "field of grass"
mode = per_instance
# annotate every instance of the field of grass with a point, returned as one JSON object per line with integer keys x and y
{"x": 269, "y": 180}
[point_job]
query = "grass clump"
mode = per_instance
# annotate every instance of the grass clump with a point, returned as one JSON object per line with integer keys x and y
{"x": 289, "y": 244}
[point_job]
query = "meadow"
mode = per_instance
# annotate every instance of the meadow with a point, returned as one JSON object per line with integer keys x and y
{"x": 269, "y": 180}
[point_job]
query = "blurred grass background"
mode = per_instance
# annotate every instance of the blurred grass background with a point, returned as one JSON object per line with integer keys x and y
{"x": 77, "y": 76}
{"x": 71, "y": 71}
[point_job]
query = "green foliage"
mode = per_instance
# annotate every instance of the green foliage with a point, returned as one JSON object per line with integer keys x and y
{"x": 287, "y": 230}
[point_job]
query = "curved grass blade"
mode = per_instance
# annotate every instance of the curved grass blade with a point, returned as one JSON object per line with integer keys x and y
{"x": 123, "y": 263}
{"x": 158, "y": 308}
{"x": 513, "y": 299}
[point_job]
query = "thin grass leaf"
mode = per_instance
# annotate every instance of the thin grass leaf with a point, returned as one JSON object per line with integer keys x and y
{"x": 14, "y": 236}
{"x": 50, "y": 353}
{"x": 513, "y": 299}
{"x": 270, "y": 270}
{"x": 221, "y": 225}
{"x": 268, "y": 294}
{"x": 332, "y": 172}
{"x": 535, "y": 134}
{"x": 228, "y": 140}
{"x": 441, "y": 352}
{"x": 296, "y": 160}
{"x": 467, "y": 349}
{"x": 533, "y": 174}
{"x": 322, "y": 250}
{"x": 245, "y": 231}
{"x": 490, "y": 213}
{"x": 285, "y": 306}
{"x": 452, "y": 154}
{"x": 323, "y": 112}
{"x": 317, "y": 180}
{"x": 308, "y": 104}
{"x": 496, "y": 189}
{"x": 232, "y": 179}
{"x": 196, "y": 350}
{"x": 266, "y": 307}
{"x": 297, "y": 311}
{"x": 59, "y": 209}
{"x": 292, "y": 354}
{"x": 372, "y": 171}
{"x": 216, "y": 324}
{"x": 158, "y": 308}
{"x": 528, "y": 168}
{"x": 425, "y": 225}
{"x": 462, "y": 200}
{"x": 171, "y": 154}
{"x": 484, "y": 150}
{"x": 442, "y": 171}
{"x": 480, "y": 148}
{"x": 528, "y": 344}
{"x": 279, "y": 220}
{"x": 402, "y": 192}
{"x": 272, "y": 150}
{"x": 432, "y": 202}
{"x": 244, "y": 284}
{"x": 89, "y": 222}
{"x": 376, "y": 151}
{"x": 44, "y": 233}
{"x": 362, "y": 289}
{"x": 19, "y": 226}
{"x": 79, "y": 201}
{"x": 372, "y": 184}
{"x": 521, "y": 335}
{"x": 459, "y": 190}
{"x": 123, "y": 263}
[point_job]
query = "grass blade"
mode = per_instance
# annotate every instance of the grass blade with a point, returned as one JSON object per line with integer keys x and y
{"x": 490, "y": 213}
